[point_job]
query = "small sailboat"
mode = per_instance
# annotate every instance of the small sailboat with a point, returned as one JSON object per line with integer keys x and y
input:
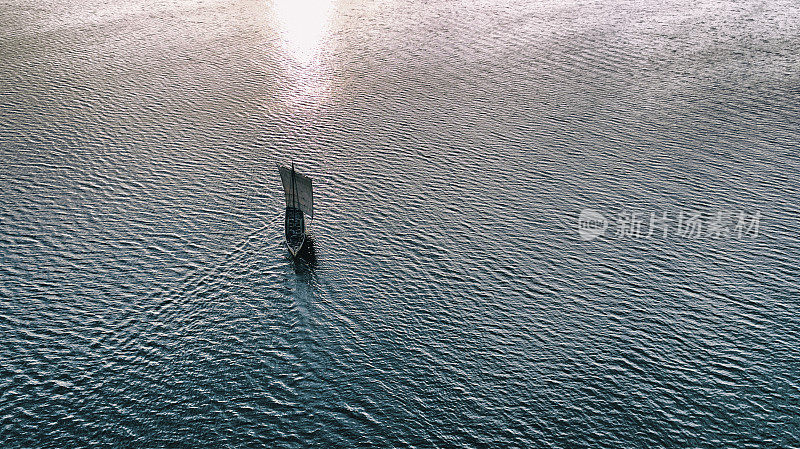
{"x": 299, "y": 201}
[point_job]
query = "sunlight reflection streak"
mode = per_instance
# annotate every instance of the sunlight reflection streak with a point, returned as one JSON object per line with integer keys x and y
{"x": 304, "y": 25}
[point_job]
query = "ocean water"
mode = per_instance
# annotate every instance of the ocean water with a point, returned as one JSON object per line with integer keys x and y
{"x": 454, "y": 301}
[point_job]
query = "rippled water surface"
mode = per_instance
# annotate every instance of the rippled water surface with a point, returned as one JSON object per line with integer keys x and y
{"x": 145, "y": 298}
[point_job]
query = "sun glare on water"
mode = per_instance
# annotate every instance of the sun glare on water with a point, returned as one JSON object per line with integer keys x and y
{"x": 304, "y": 25}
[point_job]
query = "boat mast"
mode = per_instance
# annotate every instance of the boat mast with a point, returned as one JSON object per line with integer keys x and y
{"x": 294, "y": 188}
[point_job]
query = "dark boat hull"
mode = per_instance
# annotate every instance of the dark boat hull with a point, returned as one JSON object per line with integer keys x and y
{"x": 295, "y": 230}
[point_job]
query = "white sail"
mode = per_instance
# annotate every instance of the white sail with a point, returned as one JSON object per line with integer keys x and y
{"x": 298, "y": 190}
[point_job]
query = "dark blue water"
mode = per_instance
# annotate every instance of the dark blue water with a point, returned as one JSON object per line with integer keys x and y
{"x": 146, "y": 300}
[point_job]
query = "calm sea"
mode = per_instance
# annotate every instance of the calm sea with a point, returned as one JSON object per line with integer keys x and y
{"x": 537, "y": 224}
